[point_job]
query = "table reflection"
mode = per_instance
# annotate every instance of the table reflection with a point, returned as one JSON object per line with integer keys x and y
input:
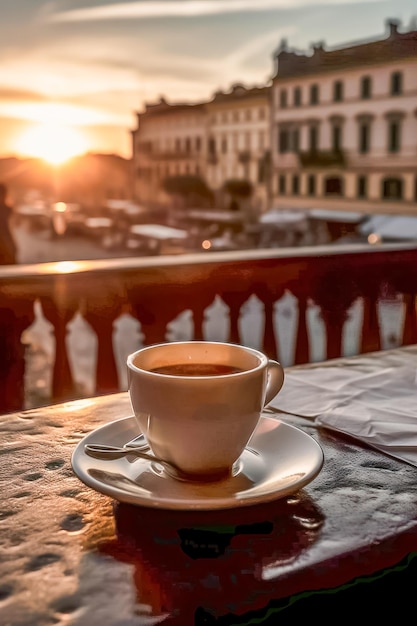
{"x": 199, "y": 567}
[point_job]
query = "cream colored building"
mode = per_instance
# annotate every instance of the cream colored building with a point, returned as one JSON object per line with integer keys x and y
{"x": 239, "y": 140}
{"x": 344, "y": 126}
{"x": 337, "y": 129}
{"x": 169, "y": 140}
{"x": 225, "y": 138}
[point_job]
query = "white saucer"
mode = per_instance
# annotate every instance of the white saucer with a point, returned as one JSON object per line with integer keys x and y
{"x": 279, "y": 460}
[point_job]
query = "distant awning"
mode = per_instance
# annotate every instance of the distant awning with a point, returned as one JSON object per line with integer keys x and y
{"x": 222, "y": 217}
{"x": 158, "y": 231}
{"x": 278, "y": 217}
{"x": 328, "y": 215}
{"x": 400, "y": 227}
{"x": 126, "y": 205}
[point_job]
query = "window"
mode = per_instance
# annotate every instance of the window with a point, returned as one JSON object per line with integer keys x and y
{"x": 262, "y": 113}
{"x": 224, "y": 145}
{"x": 295, "y": 140}
{"x": 261, "y": 141}
{"x": 313, "y": 138}
{"x": 362, "y": 190}
{"x": 311, "y": 185}
{"x": 297, "y": 96}
{"x": 415, "y": 189}
{"x": 198, "y": 144}
{"x": 333, "y": 186}
{"x": 235, "y": 116}
{"x": 261, "y": 171}
{"x": 283, "y": 141}
{"x": 396, "y": 83}
{"x": 281, "y": 183}
{"x": 248, "y": 115}
{"x": 364, "y": 137}
{"x": 336, "y": 138}
{"x": 394, "y": 135}
{"x": 314, "y": 94}
{"x": 366, "y": 87}
{"x": 392, "y": 188}
{"x": 295, "y": 184}
{"x": 187, "y": 144}
{"x": 337, "y": 91}
{"x": 177, "y": 144}
{"x": 145, "y": 146}
{"x": 212, "y": 145}
{"x": 283, "y": 99}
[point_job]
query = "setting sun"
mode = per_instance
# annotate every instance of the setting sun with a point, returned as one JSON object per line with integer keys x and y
{"x": 52, "y": 142}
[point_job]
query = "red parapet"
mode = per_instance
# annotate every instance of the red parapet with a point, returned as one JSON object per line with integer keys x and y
{"x": 156, "y": 291}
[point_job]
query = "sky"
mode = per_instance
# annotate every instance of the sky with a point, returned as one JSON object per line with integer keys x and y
{"x": 73, "y": 73}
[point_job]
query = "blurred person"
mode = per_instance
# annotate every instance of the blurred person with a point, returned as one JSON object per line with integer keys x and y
{"x": 7, "y": 243}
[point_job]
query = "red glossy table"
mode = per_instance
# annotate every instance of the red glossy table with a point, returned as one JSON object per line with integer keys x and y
{"x": 69, "y": 555}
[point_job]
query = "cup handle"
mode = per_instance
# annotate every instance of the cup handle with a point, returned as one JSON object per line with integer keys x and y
{"x": 275, "y": 380}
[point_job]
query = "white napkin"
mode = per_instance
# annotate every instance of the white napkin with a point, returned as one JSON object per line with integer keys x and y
{"x": 371, "y": 399}
{"x": 310, "y": 392}
{"x": 383, "y": 413}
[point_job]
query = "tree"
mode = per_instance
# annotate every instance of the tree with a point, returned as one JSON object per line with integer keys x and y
{"x": 190, "y": 188}
{"x": 238, "y": 188}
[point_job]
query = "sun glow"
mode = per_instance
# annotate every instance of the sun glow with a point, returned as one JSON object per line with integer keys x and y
{"x": 53, "y": 142}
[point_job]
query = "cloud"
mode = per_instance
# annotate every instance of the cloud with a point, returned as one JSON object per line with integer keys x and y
{"x": 55, "y": 112}
{"x": 185, "y": 8}
{"x": 264, "y": 42}
{"x": 186, "y": 78}
{"x": 15, "y": 94}
{"x": 54, "y": 73}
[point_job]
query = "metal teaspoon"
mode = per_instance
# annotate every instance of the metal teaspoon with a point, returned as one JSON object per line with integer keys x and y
{"x": 138, "y": 443}
{"x": 103, "y": 451}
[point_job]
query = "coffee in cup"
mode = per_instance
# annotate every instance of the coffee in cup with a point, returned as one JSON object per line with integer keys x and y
{"x": 199, "y": 402}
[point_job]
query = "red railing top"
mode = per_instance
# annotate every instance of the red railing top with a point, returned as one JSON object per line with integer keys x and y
{"x": 57, "y": 268}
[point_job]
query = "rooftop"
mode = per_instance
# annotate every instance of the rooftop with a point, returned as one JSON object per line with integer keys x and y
{"x": 239, "y": 92}
{"x": 395, "y": 46}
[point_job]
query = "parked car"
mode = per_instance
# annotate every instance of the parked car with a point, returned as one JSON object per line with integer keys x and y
{"x": 126, "y": 210}
{"x": 36, "y": 214}
{"x": 67, "y": 218}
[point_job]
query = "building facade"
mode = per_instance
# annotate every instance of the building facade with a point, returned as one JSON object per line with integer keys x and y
{"x": 344, "y": 126}
{"x": 227, "y": 138}
{"x": 170, "y": 140}
{"x": 335, "y": 129}
{"x": 239, "y": 140}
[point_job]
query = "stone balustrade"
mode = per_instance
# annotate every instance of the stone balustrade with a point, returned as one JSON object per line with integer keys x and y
{"x": 156, "y": 290}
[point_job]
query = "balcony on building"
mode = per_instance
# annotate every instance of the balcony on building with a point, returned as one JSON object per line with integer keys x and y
{"x": 322, "y": 158}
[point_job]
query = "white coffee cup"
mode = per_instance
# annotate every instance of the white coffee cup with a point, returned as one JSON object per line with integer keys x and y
{"x": 199, "y": 411}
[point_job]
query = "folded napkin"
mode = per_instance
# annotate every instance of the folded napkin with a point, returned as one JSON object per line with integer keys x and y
{"x": 376, "y": 404}
{"x": 310, "y": 392}
{"x": 382, "y": 414}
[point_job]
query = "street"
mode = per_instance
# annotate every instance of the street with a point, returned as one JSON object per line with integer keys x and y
{"x": 38, "y": 246}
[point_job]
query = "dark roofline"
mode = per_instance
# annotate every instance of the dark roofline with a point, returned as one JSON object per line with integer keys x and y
{"x": 395, "y": 46}
{"x": 238, "y": 92}
{"x": 163, "y": 107}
